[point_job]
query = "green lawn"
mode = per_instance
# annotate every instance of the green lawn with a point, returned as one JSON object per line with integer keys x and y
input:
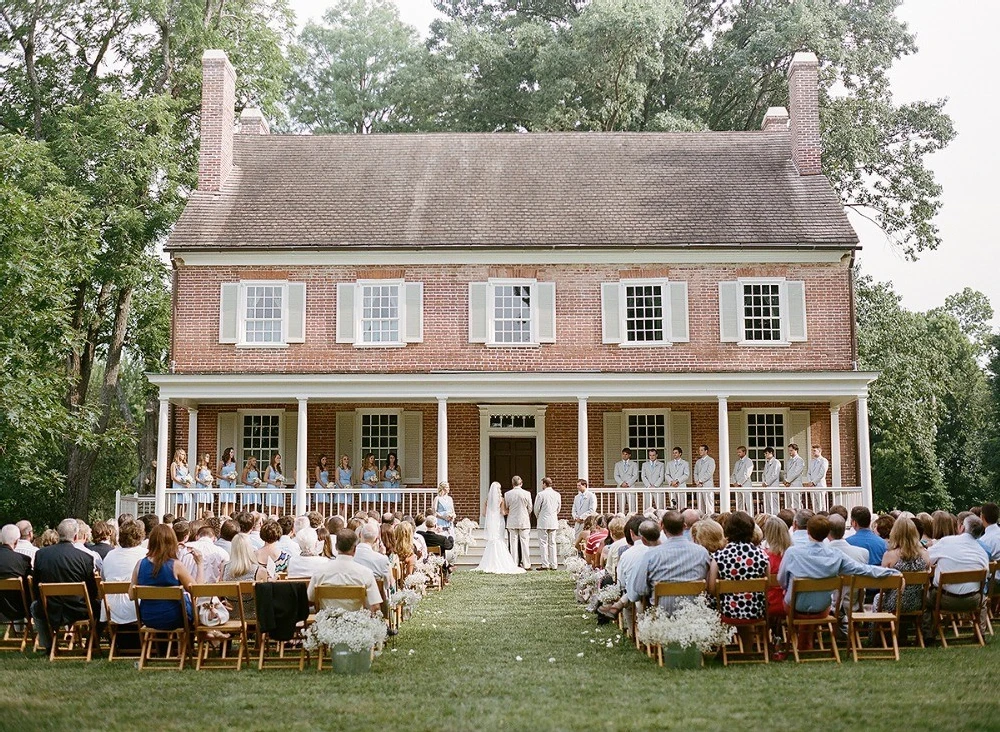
{"x": 454, "y": 667}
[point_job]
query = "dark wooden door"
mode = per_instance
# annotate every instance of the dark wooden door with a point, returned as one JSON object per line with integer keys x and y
{"x": 510, "y": 456}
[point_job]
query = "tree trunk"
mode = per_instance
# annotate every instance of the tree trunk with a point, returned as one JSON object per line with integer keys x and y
{"x": 145, "y": 481}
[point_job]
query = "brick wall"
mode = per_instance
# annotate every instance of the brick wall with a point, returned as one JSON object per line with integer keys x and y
{"x": 578, "y": 325}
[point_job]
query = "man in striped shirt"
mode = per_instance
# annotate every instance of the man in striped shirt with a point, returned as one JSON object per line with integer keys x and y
{"x": 675, "y": 560}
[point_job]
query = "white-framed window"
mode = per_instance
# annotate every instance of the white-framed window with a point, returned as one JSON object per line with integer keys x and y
{"x": 644, "y": 312}
{"x": 260, "y": 437}
{"x": 262, "y": 314}
{"x": 380, "y": 313}
{"x": 512, "y": 312}
{"x": 757, "y": 311}
{"x": 765, "y": 428}
{"x": 646, "y": 430}
{"x": 380, "y": 435}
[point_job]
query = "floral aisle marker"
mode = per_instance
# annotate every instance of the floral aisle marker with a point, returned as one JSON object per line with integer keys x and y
{"x": 353, "y": 637}
{"x": 693, "y": 626}
{"x": 565, "y": 540}
{"x": 464, "y": 537}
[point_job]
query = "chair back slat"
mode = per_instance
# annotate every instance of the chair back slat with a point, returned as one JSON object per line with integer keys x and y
{"x": 736, "y": 587}
{"x": 148, "y": 592}
{"x": 958, "y": 578}
{"x": 434, "y": 550}
{"x": 678, "y": 589}
{"x": 826, "y": 584}
{"x": 341, "y": 592}
{"x": 860, "y": 582}
{"x": 64, "y": 589}
{"x": 114, "y": 588}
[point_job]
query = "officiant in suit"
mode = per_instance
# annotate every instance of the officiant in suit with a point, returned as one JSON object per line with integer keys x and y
{"x": 547, "y": 505}
{"x": 517, "y": 503}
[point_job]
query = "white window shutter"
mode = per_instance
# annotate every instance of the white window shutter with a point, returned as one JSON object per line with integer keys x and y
{"x": 545, "y": 296}
{"x": 229, "y": 313}
{"x": 479, "y": 312}
{"x": 678, "y": 299}
{"x": 730, "y": 322}
{"x": 295, "y": 313}
{"x": 795, "y": 309}
{"x": 411, "y": 454}
{"x": 225, "y": 437}
{"x": 345, "y": 442}
{"x": 798, "y": 432}
{"x": 737, "y": 437}
{"x": 290, "y": 443}
{"x": 680, "y": 435}
{"x": 613, "y": 443}
{"x": 413, "y": 305}
{"x": 345, "y": 313}
{"x": 611, "y": 313}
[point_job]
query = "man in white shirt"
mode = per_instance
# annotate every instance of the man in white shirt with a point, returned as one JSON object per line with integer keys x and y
{"x": 118, "y": 567}
{"x": 626, "y": 476}
{"x": 990, "y": 515}
{"x": 213, "y": 557}
{"x": 795, "y": 469}
{"x": 959, "y": 553}
{"x": 343, "y": 571}
{"x": 742, "y": 478}
{"x": 704, "y": 477}
{"x": 24, "y": 545}
{"x": 678, "y": 473}
{"x": 654, "y": 473}
{"x": 816, "y": 478}
{"x": 584, "y": 505}
{"x": 289, "y": 526}
{"x": 80, "y": 543}
{"x": 771, "y": 479}
{"x": 838, "y": 527}
{"x": 366, "y": 554}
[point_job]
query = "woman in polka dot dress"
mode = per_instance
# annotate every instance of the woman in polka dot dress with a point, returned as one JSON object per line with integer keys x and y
{"x": 740, "y": 559}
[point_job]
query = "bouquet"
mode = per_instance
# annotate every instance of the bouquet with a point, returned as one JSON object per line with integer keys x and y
{"x": 693, "y": 623}
{"x": 359, "y": 630}
{"x": 189, "y": 479}
{"x": 392, "y": 476}
{"x": 609, "y": 594}
{"x": 279, "y": 479}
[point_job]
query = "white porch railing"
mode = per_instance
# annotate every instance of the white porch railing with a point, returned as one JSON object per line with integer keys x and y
{"x": 134, "y": 504}
{"x": 754, "y": 500}
{"x": 191, "y": 503}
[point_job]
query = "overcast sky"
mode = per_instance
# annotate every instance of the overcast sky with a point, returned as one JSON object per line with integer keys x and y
{"x": 953, "y": 61}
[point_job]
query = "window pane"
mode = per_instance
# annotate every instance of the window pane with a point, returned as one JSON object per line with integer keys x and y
{"x": 644, "y": 313}
{"x": 765, "y": 429}
{"x": 647, "y": 432}
{"x": 761, "y": 312}
{"x": 380, "y": 313}
{"x": 379, "y": 435}
{"x": 263, "y": 313}
{"x": 512, "y": 313}
{"x": 261, "y": 438}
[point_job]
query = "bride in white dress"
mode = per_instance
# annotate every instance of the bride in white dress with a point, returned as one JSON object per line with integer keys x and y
{"x": 496, "y": 555}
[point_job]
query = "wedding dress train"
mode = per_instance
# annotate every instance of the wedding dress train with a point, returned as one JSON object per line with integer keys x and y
{"x": 496, "y": 555}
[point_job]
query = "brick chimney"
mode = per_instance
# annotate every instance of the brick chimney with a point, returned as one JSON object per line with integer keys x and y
{"x": 776, "y": 118}
{"x": 253, "y": 122}
{"x": 803, "y": 101}
{"x": 218, "y": 111}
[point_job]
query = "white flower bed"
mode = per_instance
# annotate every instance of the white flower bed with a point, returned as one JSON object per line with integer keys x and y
{"x": 693, "y": 623}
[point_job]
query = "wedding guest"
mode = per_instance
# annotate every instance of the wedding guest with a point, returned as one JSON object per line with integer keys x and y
{"x": 49, "y": 537}
{"x": 243, "y": 567}
{"x": 943, "y": 524}
{"x": 335, "y": 524}
{"x": 788, "y": 516}
{"x": 861, "y": 519}
{"x": 444, "y": 509}
{"x": 119, "y": 566}
{"x": 433, "y": 538}
{"x": 270, "y": 556}
{"x": 365, "y": 553}
{"x": 739, "y": 560}
{"x": 257, "y": 521}
{"x": 391, "y": 475}
{"x": 204, "y": 480}
{"x": 959, "y": 552}
{"x": 83, "y": 536}
{"x": 104, "y": 538}
{"x": 160, "y": 568}
{"x": 690, "y": 517}
{"x": 674, "y": 560}
{"x": 990, "y": 515}
{"x": 612, "y": 551}
{"x": 883, "y": 526}
{"x": 345, "y": 571}
{"x": 582, "y": 537}
{"x": 595, "y": 542}
{"x": 777, "y": 539}
{"x": 388, "y": 539}
{"x": 345, "y": 478}
{"x": 321, "y": 478}
{"x": 907, "y": 555}
{"x": 648, "y": 537}
{"x": 24, "y": 544}
{"x": 405, "y": 548}
{"x": 190, "y": 558}
{"x": 291, "y": 526}
{"x": 709, "y": 534}
{"x": 214, "y": 557}
{"x": 308, "y": 560}
{"x": 251, "y": 483}
{"x": 227, "y": 482}
{"x": 315, "y": 519}
{"x": 180, "y": 481}
{"x": 799, "y": 523}
{"x": 274, "y": 498}
{"x": 837, "y": 540}
{"x": 585, "y": 504}
{"x": 13, "y": 564}
{"x": 227, "y": 532}
{"x": 325, "y": 542}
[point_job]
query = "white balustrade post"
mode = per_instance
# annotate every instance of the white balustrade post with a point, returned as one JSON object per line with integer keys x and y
{"x": 161, "y": 457}
{"x": 582, "y": 441}
{"x": 837, "y": 480}
{"x": 724, "y": 454}
{"x": 864, "y": 453}
{"x": 302, "y": 457}
{"x": 442, "y": 442}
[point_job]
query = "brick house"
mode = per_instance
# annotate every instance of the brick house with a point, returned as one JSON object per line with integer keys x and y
{"x": 489, "y": 304}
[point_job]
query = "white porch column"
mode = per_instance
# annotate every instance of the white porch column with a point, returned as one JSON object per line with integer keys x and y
{"x": 835, "y": 446}
{"x": 162, "y": 466}
{"x": 582, "y": 440}
{"x": 442, "y": 447}
{"x": 192, "y": 449}
{"x": 724, "y": 454}
{"x": 302, "y": 457}
{"x": 864, "y": 452}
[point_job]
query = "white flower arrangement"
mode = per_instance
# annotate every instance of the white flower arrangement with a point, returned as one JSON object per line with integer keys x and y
{"x": 575, "y": 566}
{"x": 188, "y": 479}
{"x": 279, "y": 479}
{"x": 565, "y": 540}
{"x": 587, "y": 584}
{"x": 609, "y": 594}
{"x": 416, "y": 581}
{"x": 359, "y": 630}
{"x": 408, "y": 598}
{"x": 693, "y": 623}
{"x": 463, "y": 535}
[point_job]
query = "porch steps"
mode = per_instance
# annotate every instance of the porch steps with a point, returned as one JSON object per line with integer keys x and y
{"x": 471, "y": 559}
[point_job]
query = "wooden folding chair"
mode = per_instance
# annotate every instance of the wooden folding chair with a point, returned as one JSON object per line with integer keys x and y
{"x": 389, "y": 613}
{"x": 674, "y": 589}
{"x": 758, "y": 626}
{"x": 13, "y": 639}
{"x": 880, "y": 619}
{"x": 351, "y": 593}
{"x": 813, "y": 623}
{"x": 916, "y": 616}
{"x": 115, "y": 629}
{"x": 235, "y": 628}
{"x": 977, "y": 576}
{"x": 81, "y": 632}
{"x": 439, "y": 582}
{"x": 992, "y": 595}
{"x": 285, "y": 654}
{"x": 176, "y": 639}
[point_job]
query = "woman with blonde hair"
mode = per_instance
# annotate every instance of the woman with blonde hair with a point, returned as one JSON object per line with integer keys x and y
{"x": 204, "y": 479}
{"x": 778, "y": 540}
{"x": 243, "y": 567}
{"x": 709, "y": 534}
{"x": 444, "y": 509}
{"x": 404, "y": 548}
{"x": 180, "y": 481}
{"x": 907, "y": 555}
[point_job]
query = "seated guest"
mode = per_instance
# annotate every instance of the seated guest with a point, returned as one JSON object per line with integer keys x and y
{"x": 907, "y": 555}
{"x": 943, "y": 524}
{"x": 387, "y": 536}
{"x": 883, "y": 526}
{"x": 270, "y": 556}
{"x": 837, "y": 530}
{"x": 12, "y": 564}
{"x": 119, "y": 566}
{"x": 777, "y": 539}
{"x": 242, "y": 567}
{"x": 24, "y": 544}
{"x": 344, "y": 571}
{"x": 799, "y": 521}
{"x": 990, "y": 514}
{"x": 612, "y": 551}
{"x": 405, "y": 548}
{"x": 955, "y": 553}
{"x": 861, "y": 520}
{"x": 594, "y": 544}
{"x": 787, "y": 515}
{"x": 335, "y": 524}
{"x": 709, "y": 534}
{"x": 307, "y": 561}
{"x": 433, "y": 538}
{"x": 63, "y": 562}
{"x": 691, "y": 517}
{"x": 289, "y": 527}
{"x": 213, "y": 557}
{"x": 227, "y": 531}
{"x": 161, "y": 568}
{"x": 589, "y": 524}
{"x": 49, "y": 537}
{"x": 324, "y": 543}
{"x": 647, "y": 535}
{"x": 315, "y": 519}
{"x": 739, "y": 559}
{"x": 368, "y": 555}
{"x": 104, "y": 538}
{"x": 83, "y": 537}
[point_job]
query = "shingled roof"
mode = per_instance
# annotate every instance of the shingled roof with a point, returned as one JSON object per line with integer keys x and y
{"x": 531, "y": 190}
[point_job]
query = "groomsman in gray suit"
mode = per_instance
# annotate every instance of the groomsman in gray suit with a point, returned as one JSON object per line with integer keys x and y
{"x": 626, "y": 476}
{"x": 742, "y": 478}
{"x": 584, "y": 505}
{"x": 816, "y": 478}
{"x": 518, "y": 506}
{"x": 704, "y": 477}
{"x": 678, "y": 474}
{"x": 547, "y": 505}
{"x": 653, "y": 473}
{"x": 771, "y": 479}
{"x": 795, "y": 469}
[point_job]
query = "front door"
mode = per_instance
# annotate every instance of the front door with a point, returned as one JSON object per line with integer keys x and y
{"x": 510, "y": 456}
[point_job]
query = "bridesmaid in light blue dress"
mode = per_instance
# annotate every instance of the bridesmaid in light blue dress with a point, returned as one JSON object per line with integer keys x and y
{"x": 180, "y": 480}
{"x": 391, "y": 475}
{"x": 322, "y": 479}
{"x": 444, "y": 509}
{"x": 204, "y": 480}
{"x": 275, "y": 480}
{"x": 251, "y": 482}
{"x": 345, "y": 478}
{"x": 227, "y": 482}
{"x": 369, "y": 477}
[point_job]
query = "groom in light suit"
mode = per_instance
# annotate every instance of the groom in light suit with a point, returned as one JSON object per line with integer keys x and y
{"x": 518, "y": 510}
{"x": 547, "y": 505}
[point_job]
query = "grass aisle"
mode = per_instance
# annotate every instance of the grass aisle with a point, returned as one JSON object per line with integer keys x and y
{"x": 454, "y": 667}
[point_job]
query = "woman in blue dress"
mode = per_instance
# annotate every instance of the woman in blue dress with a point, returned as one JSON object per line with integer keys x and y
{"x": 251, "y": 482}
{"x": 204, "y": 479}
{"x": 444, "y": 509}
{"x": 345, "y": 481}
{"x": 275, "y": 481}
{"x": 180, "y": 481}
{"x": 391, "y": 475}
{"x": 161, "y": 568}
{"x": 369, "y": 477}
{"x": 227, "y": 482}
{"x": 322, "y": 481}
